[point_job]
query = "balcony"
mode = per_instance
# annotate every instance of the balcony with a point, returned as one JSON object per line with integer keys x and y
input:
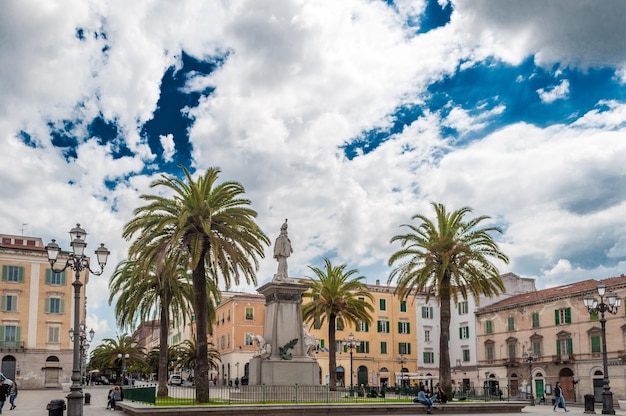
{"x": 621, "y": 354}
{"x": 11, "y": 345}
{"x": 563, "y": 358}
{"x": 511, "y": 362}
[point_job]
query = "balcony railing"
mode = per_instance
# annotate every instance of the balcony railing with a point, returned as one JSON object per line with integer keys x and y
{"x": 563, "y": 358}
{"x": 11, "y": 344}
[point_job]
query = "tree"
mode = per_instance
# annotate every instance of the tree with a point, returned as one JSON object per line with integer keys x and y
{"x": 147, "y": 292}
{"x": 336, "y": 297}
{"x": 105, "y": 355}
{"x": 445, "y": 259}
{"x": 188, "y": 352}
{"x": 213, "y": 225}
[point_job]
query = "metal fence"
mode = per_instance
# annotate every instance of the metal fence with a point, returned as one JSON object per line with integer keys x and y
{"x": 263, "y": 394}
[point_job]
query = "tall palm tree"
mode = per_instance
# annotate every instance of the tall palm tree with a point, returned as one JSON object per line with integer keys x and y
{"x": 445, "y": 259}
{"x": 106, "y": 355}
{"x": 188, "y": 352}
{"x": 338, "y": 297}
{"x": 214, "y": 226}
{"x": 150, "y": 292}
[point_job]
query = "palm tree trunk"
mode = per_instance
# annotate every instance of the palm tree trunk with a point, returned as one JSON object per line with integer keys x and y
{"x": 332, "y": 353}
{"x": 164, "y": 325}
{"x": 445, "y": 378}
{"x": 201, "y": 314}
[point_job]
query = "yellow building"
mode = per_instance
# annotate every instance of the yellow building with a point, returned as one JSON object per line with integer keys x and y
{"x": 387, "y": 354}
{"x": 36, "y": 314}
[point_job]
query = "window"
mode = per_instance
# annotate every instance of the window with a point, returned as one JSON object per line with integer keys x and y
{"x": 535, "y": 319}
{"x": 427, "y": 312}
{"x": 536, "y": 346}
{"x": 489, "y": 327}
{"x": 383, "y": 304}
{"x": 55, "y": 278}
{"x": 464, "y": 332}
{"x": 510, "y": 323}
{"x": 427, "y": 335}
{"x": 404, "y": 327}
{"x": 562, "y": 316}
{"x": 228, "y": 316}
{"x": 317, "y": 324}
{"x": 223, "y": 342}
{"x": 383, "y": 347}
{"x": 8, "y": 303}
{"x": 362, "y": 327}
{"x": 595, "y": 344}
{"x": 564, "y": 346}
{"x": 489, "y": 352}
{"x": 363, "y": 347}
{"x": 248, "y": 341}
{"x": 466, "y": 355}
{"x": 53, "y": 334}
{"x": 403, "y": 306}
{"x": 249, "y": 314}
{"x": 12, "y": 274}
{"x": 429, "y": 357}
{"x": 10, "y": 336}
{"x": 463, "y": 307}
{"x": 512, "y": 352}
{"x": 404, "y": 348}
{"x": 383, "y": 326}
{"x": 54, "y": 306}
{"x": 339, "y": 324}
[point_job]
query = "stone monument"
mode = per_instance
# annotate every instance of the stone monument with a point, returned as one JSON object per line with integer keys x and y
{"x": 285, "y": 355}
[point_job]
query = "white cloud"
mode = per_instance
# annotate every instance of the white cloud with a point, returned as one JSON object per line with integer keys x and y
{"x": 167, "y": 142}
{"x": 557, "y": 92}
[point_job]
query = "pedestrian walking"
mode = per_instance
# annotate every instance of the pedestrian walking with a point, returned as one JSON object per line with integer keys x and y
{"x": 13, "y": 395}
{"x": 558, "y": 398}
{"x": 4, "y": 392}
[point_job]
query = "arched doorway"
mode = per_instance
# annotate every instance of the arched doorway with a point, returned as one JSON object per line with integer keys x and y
{"x": 383, "y": 377}
{"x": 513, "y": 385}
{"x": 8, "y": 366}
{"x": 52, "y": 372}
{"x": 361, "y": 376}
{"x": 341, "y": 376}
{"x": 566, "y": 378}
{"x": 539, "y": 385}
{"x": 598, "y": 385}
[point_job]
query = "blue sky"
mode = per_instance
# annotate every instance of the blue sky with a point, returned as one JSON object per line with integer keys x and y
{"x": 346, "y": 117}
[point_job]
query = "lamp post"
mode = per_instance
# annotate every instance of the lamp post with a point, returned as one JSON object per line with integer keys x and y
{"x": 123, "y": 358}
{"x": 402, "y": 360}
{"x": 351, "y": 343}
{"x": 611, "y": 305}
{"x": 84, "y": 339}
{"x": 530, "y": 356}
{"x": 76, "y": 261}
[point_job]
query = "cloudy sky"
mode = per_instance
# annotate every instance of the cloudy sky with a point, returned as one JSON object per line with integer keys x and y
{"x": 347, "y": 117}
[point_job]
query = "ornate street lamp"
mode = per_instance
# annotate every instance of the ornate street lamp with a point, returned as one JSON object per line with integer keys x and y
{"x": 123, "y": 359}
{"x": 76, "y": 261}
{"x": 530, "y": 356}
{"x": 84, "y": 339}
{"x": 611, "y": 305}
{"x": 351, "y": 343}
{"x": 402, "y": 360}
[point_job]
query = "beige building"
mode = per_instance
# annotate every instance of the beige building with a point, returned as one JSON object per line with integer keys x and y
{"x": 36, "y": 314}
{"x": 387, "y": 354}
{"x": 554, "y": 325}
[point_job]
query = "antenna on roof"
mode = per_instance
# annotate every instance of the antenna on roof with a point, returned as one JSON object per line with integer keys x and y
{"x": 24, "y": 224}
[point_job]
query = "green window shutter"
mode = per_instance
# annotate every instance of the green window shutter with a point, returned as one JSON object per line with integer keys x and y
{"x": 460, "y": 333}
{"x": 570, "y": 346}
{"x": 403, "y": 306}
{"x": 20, "y": 274}
{"x": 62, "y": 306}
{"x": 423, "y": 312}
{"x": 18, "y": 333}
{"x": 568, "y": 315}
{"x": 321, "y": 343}
{"x": 489, "y": 327}
{"x": 458, "y": 308}
{"x": 358, "y": 327}
{"x": 408, "y": 348}
{"x": 556, "y": 317}
{"x": 431, "y": 312}
{"x": 5, "y": 273}
{"x": 408, "y": 327}
{"x": 379, "y": 326}
{"x": 558, "y": 347}
{"x": 63, "y": 279}
{"x": 367, "y": 327}
{"x": 467, "y": 330}
{"x": 383, "y": 347}
{"x": 367, "y": 347}
{"x": 48, "y": 276}
{"x": 3, "y": 303}
{"x": 1, "y": 332}
{"x": 46, "y": 307}
{"x": 595, "y": 344}
{"x": 399, "y": 327}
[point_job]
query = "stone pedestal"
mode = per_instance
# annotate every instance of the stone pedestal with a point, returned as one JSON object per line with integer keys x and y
{"x": 283, "y": 325}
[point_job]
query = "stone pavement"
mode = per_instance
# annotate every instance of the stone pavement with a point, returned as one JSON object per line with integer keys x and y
{"x": 34, "y": 402}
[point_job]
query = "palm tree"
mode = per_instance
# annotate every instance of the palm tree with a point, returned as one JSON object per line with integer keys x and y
{"x": 145, "y": 293}
{"x": 338, "y": 297}
{"x": 213, "y": 225}
{"x": 188, "y": 352}
{"x": 445, "y": 259}
{"x": 106, "y": 355}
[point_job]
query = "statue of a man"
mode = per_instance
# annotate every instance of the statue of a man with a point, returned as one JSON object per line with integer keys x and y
{"x": 282, "y": 250}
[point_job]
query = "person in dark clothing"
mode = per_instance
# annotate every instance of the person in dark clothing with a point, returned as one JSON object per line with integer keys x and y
{"x": 558, "y": 398}
{"x": 4, "y": 392}
{"x": 13, "y": 395}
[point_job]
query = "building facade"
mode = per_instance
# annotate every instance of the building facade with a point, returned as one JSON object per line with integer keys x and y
{"x": 542, "y": 337}
{"x": 36, "y": 314}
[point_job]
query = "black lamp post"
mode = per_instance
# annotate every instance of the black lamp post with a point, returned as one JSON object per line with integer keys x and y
{"x": 123, "y": 359}
{"x": 530, "y": 356}
{"x": 351, "y": 343}
{"x": 402, "y": 360}
{"x": 611, "y": 305}
{"x": 84, "y": 339}
{"x": 76, "y": 261}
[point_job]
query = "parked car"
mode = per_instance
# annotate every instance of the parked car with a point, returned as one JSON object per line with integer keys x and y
{"x": 102, "y": 380}
{"x": 175, "y": 379}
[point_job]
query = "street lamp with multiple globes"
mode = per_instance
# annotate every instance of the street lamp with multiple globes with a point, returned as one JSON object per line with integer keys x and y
{"x": 123, "y": 359}
{"x": 76, "y": 261}
{"x": 402, "y": 360}
{"x": 530, "y": 356}
{"x": 84, "y": 340}
{"x": 351, "y": 343}
{"x": 611, "y": 305}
